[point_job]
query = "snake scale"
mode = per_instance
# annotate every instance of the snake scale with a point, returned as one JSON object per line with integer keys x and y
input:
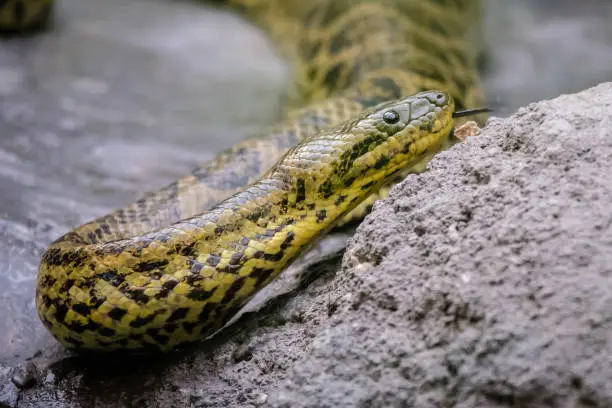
{"x": 377, "y": 84}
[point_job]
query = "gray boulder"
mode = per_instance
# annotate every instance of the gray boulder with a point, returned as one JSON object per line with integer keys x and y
{"x": 485, "y": 282}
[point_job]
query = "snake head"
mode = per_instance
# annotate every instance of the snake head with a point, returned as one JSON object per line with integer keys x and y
{"x": 392, "y": 136}
{"x": 354, "y": 158}
{"x": 415, "y": 120}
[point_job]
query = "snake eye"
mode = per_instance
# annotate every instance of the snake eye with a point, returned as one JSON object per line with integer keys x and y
{"x": 391, "y": 117}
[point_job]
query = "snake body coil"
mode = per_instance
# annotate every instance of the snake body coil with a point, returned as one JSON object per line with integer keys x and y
{"x": 177, "y": 264}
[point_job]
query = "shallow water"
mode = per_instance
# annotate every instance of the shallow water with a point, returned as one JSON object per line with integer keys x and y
{"x": 119, "y": 98}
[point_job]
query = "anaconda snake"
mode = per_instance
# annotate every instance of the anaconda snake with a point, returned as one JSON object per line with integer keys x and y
{"x": 177, "y": 264}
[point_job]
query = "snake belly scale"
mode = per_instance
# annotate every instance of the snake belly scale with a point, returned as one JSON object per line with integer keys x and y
{"x": 177, "y": 264}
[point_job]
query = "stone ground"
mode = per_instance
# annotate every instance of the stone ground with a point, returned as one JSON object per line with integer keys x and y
{"x": 506, "y": 281}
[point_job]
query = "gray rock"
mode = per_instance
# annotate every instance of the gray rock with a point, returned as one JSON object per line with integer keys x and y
{"x": 9, "y": 393}
{"x": 483, "y": 282}
{"x": 25, "y": 375}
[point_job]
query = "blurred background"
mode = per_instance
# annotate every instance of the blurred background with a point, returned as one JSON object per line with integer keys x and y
{"x": 122, "y": 96}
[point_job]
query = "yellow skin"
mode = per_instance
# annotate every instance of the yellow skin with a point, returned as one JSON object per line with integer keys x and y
{"x": 177, "y": 264}
{"x": 183, "y": 282}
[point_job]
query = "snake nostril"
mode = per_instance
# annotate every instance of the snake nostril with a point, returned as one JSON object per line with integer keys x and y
{"x": 441, "y": 98}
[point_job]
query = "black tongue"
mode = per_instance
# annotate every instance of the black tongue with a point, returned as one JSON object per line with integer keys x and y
{"x": 470, "y": 112}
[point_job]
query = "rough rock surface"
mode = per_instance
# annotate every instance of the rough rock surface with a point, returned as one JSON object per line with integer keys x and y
{"x": 485, "y": 282}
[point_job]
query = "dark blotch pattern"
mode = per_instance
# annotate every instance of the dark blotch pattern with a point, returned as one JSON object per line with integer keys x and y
{"x": 261, "y": 274}
{"x": 348, "y": 158}
{"x": 157, "y": 336}
{"x": 113, "y": 277}
{"x": 273, "y": 257}
{"x": 213, "y": 260}
{"x": 142, "y": 321}
{"x": 288, "y": 240}
{"x": 81, "y": 308}
{"x": 321, "y": 215}
{"x": 60, "y": 312}
{"x": 301, "y": 191}
{"x": 117, "y": 313}
{"x": 207, "y": 312}
{"x": 367, "y": 185}
{"x": 106, "y": 332}
{"x": 137, "y": 295}
{"x": 349, "y": 182}
{"x": 261, "y": 212}
{"x": 189, "y": 326}
{"x": 233, "y": 289}
{"x": 170, "y": 327}
{"x": 326, "y": 189}
{"x": 188, "y": 250}
{"x": 236, "y": 258}
{"x": 200, "y": 294}
{"x": 67, "y": 285}
{"x": 169, "y": 285}
{"x": 47, "y": 281}
{"x": 383, "y": 161}
{"x": 56, "y": 257}
{"x": 151, "y": 265}
{"x": 178, "y": 314}
{"x": 230, "y": 170}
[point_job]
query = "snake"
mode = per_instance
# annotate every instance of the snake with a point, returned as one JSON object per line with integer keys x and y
{"x": 378, "y": 88}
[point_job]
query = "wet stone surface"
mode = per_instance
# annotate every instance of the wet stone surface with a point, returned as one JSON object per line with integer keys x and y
{"x": 123, "y": 96}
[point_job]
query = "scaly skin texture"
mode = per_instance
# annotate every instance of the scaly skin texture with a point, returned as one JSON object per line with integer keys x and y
{"x": 174, "y": 266}
{"x": 183, "y": 282}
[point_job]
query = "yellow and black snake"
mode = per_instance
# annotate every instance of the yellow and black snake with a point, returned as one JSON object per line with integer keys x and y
{"x": 175, "y": 266}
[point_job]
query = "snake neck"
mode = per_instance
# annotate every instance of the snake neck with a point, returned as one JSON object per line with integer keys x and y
{"x": 314, "y": 184}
